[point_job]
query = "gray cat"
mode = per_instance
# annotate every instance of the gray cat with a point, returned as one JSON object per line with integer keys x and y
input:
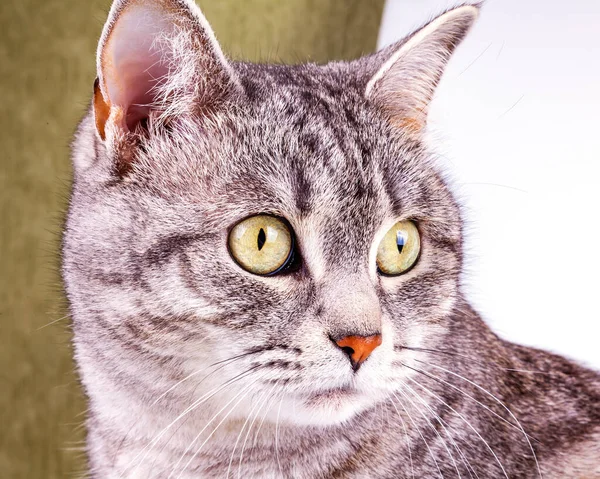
{"x": 263, "y": 263}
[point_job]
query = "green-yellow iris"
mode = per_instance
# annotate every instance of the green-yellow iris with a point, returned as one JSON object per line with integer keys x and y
{"x": 399, "y": 249}
{"x": 261, "y": 244}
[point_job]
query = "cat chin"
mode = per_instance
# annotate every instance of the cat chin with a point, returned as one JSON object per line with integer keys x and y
{"x": 327, "y": 408}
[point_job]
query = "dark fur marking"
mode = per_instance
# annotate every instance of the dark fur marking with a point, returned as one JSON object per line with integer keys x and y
{"x": 164, "y": 248}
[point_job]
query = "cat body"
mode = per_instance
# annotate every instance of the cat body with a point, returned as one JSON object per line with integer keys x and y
{"x": 196, "y": 367}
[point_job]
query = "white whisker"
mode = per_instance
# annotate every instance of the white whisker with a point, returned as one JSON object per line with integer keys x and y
{"x": 277, "y": 436}
{"x": 453, "y": 386}
{"x": 53, "y": 322}
{"x": 442, "y": 423}
{"x": 264, "y": 393}
{"x": 243, "y": 393}
{"x": 467, "y": 423}
{"x": 267, "y": 409}
{"x": 148, "y": 448}
{"x": 189, "y": 376}
{"x": 419, "y": 432}
{"x": 432, "y": 428}
{"x": 267, "y": 398}
{"x": 501, "y": 404}
{"x": 412, "y": 469}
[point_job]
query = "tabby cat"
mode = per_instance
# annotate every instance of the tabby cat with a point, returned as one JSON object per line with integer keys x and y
{"x": 263, "y": 263}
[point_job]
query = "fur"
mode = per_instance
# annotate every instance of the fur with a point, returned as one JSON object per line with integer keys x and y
{"x": 196, "y": 368}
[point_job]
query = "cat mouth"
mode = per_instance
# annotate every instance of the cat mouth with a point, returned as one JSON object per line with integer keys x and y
{"x": 330, "y": 395}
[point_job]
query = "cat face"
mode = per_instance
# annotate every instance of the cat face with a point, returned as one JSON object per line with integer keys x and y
{"x": 185, "y": 150}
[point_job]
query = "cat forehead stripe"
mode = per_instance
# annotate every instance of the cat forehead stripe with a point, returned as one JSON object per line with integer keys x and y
{"x": 264, "y": 264}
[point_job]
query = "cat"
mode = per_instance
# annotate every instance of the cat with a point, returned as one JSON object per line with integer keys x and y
{"x": 262, "y": 264}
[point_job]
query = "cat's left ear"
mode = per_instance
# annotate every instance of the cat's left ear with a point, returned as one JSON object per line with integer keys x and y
{"x": 157, "y": 58}
{"x": 405, "y": 83}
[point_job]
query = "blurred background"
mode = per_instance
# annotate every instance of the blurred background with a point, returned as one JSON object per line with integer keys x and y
{"x": 47, "y": 69}
{"x": 514, "y": 120}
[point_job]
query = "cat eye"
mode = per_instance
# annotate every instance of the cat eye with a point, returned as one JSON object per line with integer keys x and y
{"x": 261, "y": 244}
{"x": 399, "y": 249}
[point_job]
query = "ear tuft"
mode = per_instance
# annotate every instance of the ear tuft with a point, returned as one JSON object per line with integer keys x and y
{"x": 406, "y": 81}
{"x": 156, "y": 58}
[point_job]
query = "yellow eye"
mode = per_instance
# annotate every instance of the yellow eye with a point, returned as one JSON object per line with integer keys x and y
{"x": 399, "y": 249}
{"x": 261, "y": 244}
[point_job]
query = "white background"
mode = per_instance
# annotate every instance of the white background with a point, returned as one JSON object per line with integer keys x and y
{"x": 516, "y": 120}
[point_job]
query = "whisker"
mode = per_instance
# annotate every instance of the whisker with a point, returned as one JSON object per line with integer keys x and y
{"x": 444, "y": 352}
{"x": 467, "y": 423}
{"x": 418, "y": 431}
{"x": 53, "y": 322}
{"x": 183, "y": 422}
{"x": 243, "y": 393}
{"x": 412, "y": 468}
{"x": 267, "y": 398}
{"x": 223, "y": 363}
{"x": 267, "y": 409}
{"x": 431, "y": 426}
{"x": 145, "y": 451}
{"x": 443, "y": 424}
{"x": 242, "y": 431}
{"x": 499, "y": 402}
{"x": 549, "y": 373}
{"x": 470, "y": 359}
{"x": 453, "y": 386}
{"x": 476, "y": 58}
{"x": 277, "y": 436}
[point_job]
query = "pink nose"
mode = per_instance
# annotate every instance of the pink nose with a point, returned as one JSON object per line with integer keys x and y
{"x": 358, "y": 348}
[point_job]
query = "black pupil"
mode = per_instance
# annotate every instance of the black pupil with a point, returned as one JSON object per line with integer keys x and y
{"x": 400, "y": 240}
{"x": 262, "y": 239}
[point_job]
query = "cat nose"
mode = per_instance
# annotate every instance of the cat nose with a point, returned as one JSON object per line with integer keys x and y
{"x": 358, "y": 348}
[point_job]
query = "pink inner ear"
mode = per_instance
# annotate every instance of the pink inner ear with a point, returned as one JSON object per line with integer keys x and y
{"x": 135, "y": 60}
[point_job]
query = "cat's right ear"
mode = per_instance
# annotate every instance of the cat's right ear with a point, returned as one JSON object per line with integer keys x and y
{"x": 157, "y": 59}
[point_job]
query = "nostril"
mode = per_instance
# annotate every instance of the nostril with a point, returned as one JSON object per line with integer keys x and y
{"x": 348, "y": 350}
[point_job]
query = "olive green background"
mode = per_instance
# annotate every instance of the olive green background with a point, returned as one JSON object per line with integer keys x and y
{"x": 47, "y": 69}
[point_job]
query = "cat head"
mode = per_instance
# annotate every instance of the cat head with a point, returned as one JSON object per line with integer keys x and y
{"x": 282, "y": 225}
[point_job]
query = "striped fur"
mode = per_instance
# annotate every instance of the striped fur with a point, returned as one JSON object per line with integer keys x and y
{"x": 187, "y": 360}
